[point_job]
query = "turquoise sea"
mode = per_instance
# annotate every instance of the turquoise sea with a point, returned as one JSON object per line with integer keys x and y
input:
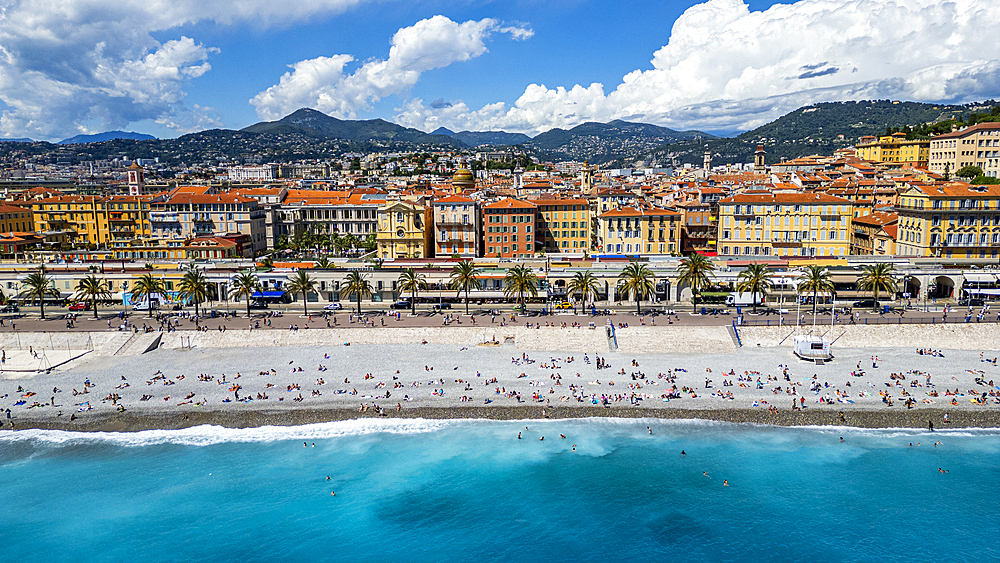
{"x": 415, "y": 490}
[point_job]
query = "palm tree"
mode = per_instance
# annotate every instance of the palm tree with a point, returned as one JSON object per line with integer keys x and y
{"x": 92, "y": 288}
{"x": 585, "y": 284}
{"x": 695, "y": 271}
{"x": 816, "y": 279}
{"x": 267, "y": 263}
{"x": 245, "y": 285}
{"x": 756, "y": 279}
{"x": 146, "y": 287}
{"x": 39, "y": 286}
{"x": 877, "y": 277}
{"x": 194, "y": 286}
{"x": 412, "y": 281}
{"x": 520, "y": 281}
{"x": 323, "y": 263}
{"x": 638, "y": 280}
{"x": 463, "y": 278}
{"x": 302, "y": 283}
{"x": 357, "y": 285}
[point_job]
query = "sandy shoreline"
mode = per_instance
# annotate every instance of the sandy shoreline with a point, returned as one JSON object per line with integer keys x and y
{"x": 296, "y": 378}
{"x": 130, "y": 422}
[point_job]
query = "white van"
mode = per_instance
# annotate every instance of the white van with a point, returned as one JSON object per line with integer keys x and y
{"x": 746, "y": 299}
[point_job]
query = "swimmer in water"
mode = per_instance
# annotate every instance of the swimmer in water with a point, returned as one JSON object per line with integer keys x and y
{"x": 725, "y": 482}
{"x": 305, "y": 445}
{"x": 574, "y": 447}
{"x": 563, "y": 436}
{"x": 518, "y": 435}
{"x": 942, "y": 470}
{"x": 327, "y": 477}
{"x": 705, "y": 473}
{"x": 683, "y": 452}
{"x": 542, "y": 438}
{"x": 841, "y": 438}
{"x": 650, "y": 429}
{"x": 333, "y": 493}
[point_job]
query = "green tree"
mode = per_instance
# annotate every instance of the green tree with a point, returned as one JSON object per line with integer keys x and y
{"x": 357, "y": 285}
{"x": 585, "y": 284}
{"x": 637, "y": 280}
{"x": 412, "y": 281}
{"x": 755, "y": 279}
{"x": 876, "y": 278}
{"x": 245, "y": 285}
{"x": 145, "y": 287}
{"x": 92, "y": 288}
{"x": 39, "y": 286}
{"x": 302, "y": 282}
{"x": 520, "y": 281}
{"x": 815, "y": 279}
{"x": 695, "y": 271}
{"x": 969, "y": 171}
{"x": 323, "y": 263}
{"x": 194, "y": 286}
{"x": 266, "y": 263}
{"x": 464, "y": 277}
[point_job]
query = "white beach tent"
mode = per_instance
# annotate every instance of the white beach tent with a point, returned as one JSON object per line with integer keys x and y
{"x": 811, "y": 347}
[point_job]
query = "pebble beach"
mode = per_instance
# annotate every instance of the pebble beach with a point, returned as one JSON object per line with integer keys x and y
{"x": 173, "y": 387}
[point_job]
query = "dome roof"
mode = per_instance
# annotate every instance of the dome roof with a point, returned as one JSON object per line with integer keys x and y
{"x": 463, "y": 175}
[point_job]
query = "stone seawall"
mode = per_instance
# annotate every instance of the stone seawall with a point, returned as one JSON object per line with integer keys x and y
{"x": 971, "y": 336}
{"x": 643, "y": 339}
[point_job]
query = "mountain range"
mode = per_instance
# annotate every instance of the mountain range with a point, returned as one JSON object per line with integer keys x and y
{"x": 310, "y": 134}
{"x": 106, "y": 136}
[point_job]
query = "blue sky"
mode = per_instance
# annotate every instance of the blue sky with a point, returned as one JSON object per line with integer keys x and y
{"x": 167, "y": 67}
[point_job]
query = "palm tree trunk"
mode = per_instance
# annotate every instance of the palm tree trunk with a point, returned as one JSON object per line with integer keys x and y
{"x": 359, "y": 304}
{"x": 41, "y": 306}
{"x": 305, "y": 302}
{"x": 413, "y": 302}
{"x": 875, "y": 304}
{"x": 753, "y": 301}
{"x": 95, "y": 308}
{"x": 196, "y": 308}
{"x": 814, "y": 303}
{"x": 466, "y": 300}
{"x": 638, "y": 307}
{"x": 248, "y": 306}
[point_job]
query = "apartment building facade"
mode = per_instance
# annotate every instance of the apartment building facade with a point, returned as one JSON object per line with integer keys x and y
{"x": 191, "y": 215}
{"x": 457, "y": 227}
{"x": 509, "y": 228}
{"x": 562, "y": 225}
{"x": 978, "y": 145}
{"x": 949, "y": 220}
{"x": 639, "y": 230}
{"x": 895, "y": 149}
{"x": 784, "y": 224}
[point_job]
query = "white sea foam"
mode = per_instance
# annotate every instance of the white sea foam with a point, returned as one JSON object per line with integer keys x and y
{"x": 207, "y": 435}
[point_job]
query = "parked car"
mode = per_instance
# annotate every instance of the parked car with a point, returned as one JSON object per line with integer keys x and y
{"x": 10, "y": 308}
{"x": 333, "y": 307}
{"x": 402, "y": 304}
{"x": 258, "y": 305}
{"x": 971, "y": 302}
{"x": 441, "y": 306}
{"x": 79, "y": 306}
{"x": 563, "y": 305}
{"x": 867, "y": 304}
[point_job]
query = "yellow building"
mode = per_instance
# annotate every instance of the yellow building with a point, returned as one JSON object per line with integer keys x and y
{"x": 116, "y": 221}
{"x": 16, "y": 219}
{"x": 950, "y": 220}
{"x": 895, "y": 149}
{"x": 562, "y": 225}
{"x": 71, "y": 220}
{"x": 639, "y": 230}
{"x": 978, "y": 145}
{"x": 404, "y": 230}
{"x": 785, "y": 224}
{"x": 874, "y": 234}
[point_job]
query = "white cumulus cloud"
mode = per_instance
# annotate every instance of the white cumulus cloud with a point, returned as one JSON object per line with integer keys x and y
{"x": 77, "y": 66}
{"x": 726, "y": 67}
{"x": 323, "y": 84}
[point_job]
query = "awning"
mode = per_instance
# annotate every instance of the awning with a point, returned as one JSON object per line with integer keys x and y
{"x": 268, "y": 295}
{"x": 983, "y": 291}
{"x": 980, "y": 278}
{"x": 844, "y": 278}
